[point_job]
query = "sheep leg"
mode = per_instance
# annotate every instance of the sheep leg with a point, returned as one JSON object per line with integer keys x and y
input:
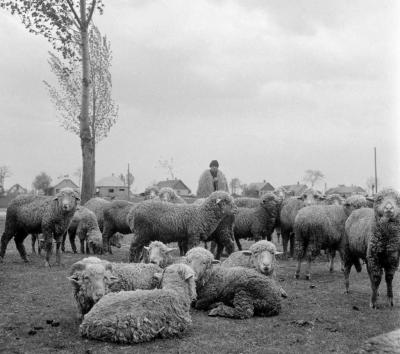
{"x": 58, "y": 252}
{"x": 87, "y": 247}
{"x": 218, "y": 254}
{"x": 82, "y": 243}
{"x": 64, "y": 237}
{"x": 298, "y": 269}
{"x": 278, "y": 234}
{"x": 71, "y": 237}
{"x": 33, "y": 241}
{"x": 48, "y": 245}
{"x": 5, "y": 239}
{"x": 332, "y": 254}
{"x": 388, "y": 280}
{"x": 375, "y": 281}
{"x": 239, "y": 246}
{"x": 291, "y": 241}
{"x": 308, "y": 269}
{"x": 242, "y": 307}
{"x": 19, "y": 243}
{"x": 213, "y": 247}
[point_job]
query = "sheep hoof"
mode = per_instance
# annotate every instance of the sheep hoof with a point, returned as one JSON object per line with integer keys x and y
{"x": 308, "y": 277}
{"x": 47, "y": 264}
{"x": 372, "y": 306}
{"x": 390, "y": 302}
{"x": 297, "y": 276}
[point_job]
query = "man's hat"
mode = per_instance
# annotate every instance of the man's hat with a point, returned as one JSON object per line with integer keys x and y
{"x": 214, "y": 163}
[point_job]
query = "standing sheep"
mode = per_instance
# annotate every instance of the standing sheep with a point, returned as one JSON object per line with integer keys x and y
{"x": 186, "y": 223}
{"x": 143, "y": 315}
{"x": 384, "y": 244}
{"x": 288, "y": 212}
{"x": 97, "y": 205}
{"x": 29, "y": 214}
{"x": 320, "y": 227}
{"x": 115, "y": 220}
{"x": 92, "y": 278}
{"x": 257, "y": 223}
{"x": 236, "y": 292}
{"x": 84, "y": 224}
{"x": 247, "y": 202}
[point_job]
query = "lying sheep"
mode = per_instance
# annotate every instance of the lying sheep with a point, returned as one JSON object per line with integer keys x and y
{"x": 143, "y": 315}
{"x": 29, "y": 214}
{"x": 160, "y": 254}
{"x": 384, "y": 243}
{"x": 259, "y": 222}
{"x": 260, "y": 256}
{"x": 186, "y": 223}
{"x": 92, "y": 278}
{"x": 288, "y": 212}
{"x": 115, "y": 220}
{"x": 320, "y": 227}
{"x": 84, "y": 224}
{"x": 236, "y": 292}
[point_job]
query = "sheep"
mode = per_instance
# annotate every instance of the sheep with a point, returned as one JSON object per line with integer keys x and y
{"x": 288, "y": 212}
{"x": 84, "y": 223}
{"x": 160, "y": 254}
{"x": 358, "y": 231}
{"x": 97, "y": 205}
{"x": 115, "y": 220}
{"x": 40, "y": 242}
{"x": 383, "y": 250}
{"x": 320, "y": 227}
{"x": 260, "y": 256}
{"x": 247, "y": 202}
{"x": 257, "y": 223}
{"x": 168, "y": 194}
{"x": 235, "y": 292}
{"x": 29, "y": 214}
{"x": 384, "y": 343}
{"x": 167, "y": 222}
{"x": 334, "y": 199}
{"x": 92, "y": 278}
{"x": 143, "y": 315}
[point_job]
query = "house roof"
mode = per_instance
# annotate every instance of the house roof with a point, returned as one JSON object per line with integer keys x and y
{"x": 66, "y": 182}
{"x": 173, "y": 183}
{"x": 111, "y": 181}
{"x": 17, "y": 188}
{"x": 346, "y": 190}
{"x": 259, "y": 186}
{"x": 297, "y": 189}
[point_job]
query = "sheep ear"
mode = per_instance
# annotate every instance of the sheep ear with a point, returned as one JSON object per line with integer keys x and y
{"x": 218, "y": 201}
{"x": 108, "y": 266}
{"x": 216, "y": 261}
{"x": 77, "y": 267}
{"x": 277, "y": 252}
{"x": 74, "y": 279}
{"x": 158, "y": 276}
{"x": 370, "y": 199}
{"x": 247, "y": 253}
{"x": 77, "y": 197}
{"x": 112, "y": 278}
{"x": 171, "y": 249}
{"x": 147, "y": 248}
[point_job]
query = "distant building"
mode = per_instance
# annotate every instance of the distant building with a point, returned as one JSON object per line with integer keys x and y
{"x": 16, "y": 189}
{"x": 295, "y": 189}
{"x": 65, "y": 183}
{"x": 111, "y": 187}
{"x": 175, "y": 184}
{"x": 346, "y": 191}
{"x": 257, "y": 189}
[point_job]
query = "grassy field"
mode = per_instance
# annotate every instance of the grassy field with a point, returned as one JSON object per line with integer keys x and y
{"x": 317, "y": 317}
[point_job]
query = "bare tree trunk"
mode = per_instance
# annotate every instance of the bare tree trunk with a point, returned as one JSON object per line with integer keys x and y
{"x": 85, "y": 133}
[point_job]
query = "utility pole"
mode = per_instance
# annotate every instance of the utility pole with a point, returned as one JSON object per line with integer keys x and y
{"x": 376, "y": 176}
{"x": 127, "y": 182}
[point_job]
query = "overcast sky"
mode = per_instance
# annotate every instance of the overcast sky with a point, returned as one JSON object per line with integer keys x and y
{"x": 268, "y": 88}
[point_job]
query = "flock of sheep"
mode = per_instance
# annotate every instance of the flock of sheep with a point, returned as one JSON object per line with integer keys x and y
{"x": 152, "y": 295}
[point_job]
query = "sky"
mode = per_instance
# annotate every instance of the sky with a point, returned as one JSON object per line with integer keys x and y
{"x": 270, "y": 89}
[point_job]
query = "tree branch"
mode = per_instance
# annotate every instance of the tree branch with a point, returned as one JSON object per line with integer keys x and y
{"x": 91, "y": 12}
{"x": 71, "y": 6}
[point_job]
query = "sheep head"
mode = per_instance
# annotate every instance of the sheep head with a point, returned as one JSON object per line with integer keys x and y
{"x": 354, "y": 202}
{"x": 92, "y": 276}
{"x": 221, "y": 202}
{"x": 387, "y": 205}
{"x": 67, "y": 199}
{"x": 311, "y": 196}
{"x": 262, "y": 255}
{"x": 201, "y": 261}
{"x": 158, "y": 253}
{"x": 175, "y": 274}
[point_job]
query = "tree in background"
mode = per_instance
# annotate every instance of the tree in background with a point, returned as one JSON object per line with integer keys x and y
{"x": 78, "y": 175}
{"x": 42, "y": 182}
{"x": 127, "y": 179}
{"x": 313, "y": 176}
{"x": 251, "y": 192}
{"x": 61, "y": 22}
{"x": 168, "y": 165}
{"x": 4, "y": 173}
{"x": 103, "y": 111}
{"x": 235, "y": 185}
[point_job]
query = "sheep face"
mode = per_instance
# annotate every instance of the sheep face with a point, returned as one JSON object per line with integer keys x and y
{"x": 354, "y": 202}
{"x": 200, "y": 260}
{"x": 93, "y": 279}
{"x": 387, "y": 205}
{"x": 116, "y": 239}
{"x": 159, "y": 253}
{"x": 310, "y": 197}
{"x": 270, "y": 201}
{"x": 263, "y": 261}
{"x": 224, "y": 201}
{"x": 166, "y": 194}
{"x": 67, "y": 199}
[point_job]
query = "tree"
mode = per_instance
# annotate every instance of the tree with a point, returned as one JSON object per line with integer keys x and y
{"x": 4, "y": 173}
{"x": 234, "y": 184}
{"x": 168, "y": 165}
{"x": 78, "y": 175}
{"x": 102, "y": 109}
{"x": 313, "y": 176}
{"x": 42, "y": 182}
{"x": 61, "y": 22}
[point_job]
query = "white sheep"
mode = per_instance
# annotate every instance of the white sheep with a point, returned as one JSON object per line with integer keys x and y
{"x": 92, "y": 278}
{"x": 143, "y": 315}
{"x": 235, "y": 292}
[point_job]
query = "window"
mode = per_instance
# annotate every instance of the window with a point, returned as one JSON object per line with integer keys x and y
{"x": 122, "y": 190}
{"x": 111, "y": 190}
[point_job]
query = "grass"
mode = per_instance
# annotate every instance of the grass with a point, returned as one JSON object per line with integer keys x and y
{"x": 316, "y": 317}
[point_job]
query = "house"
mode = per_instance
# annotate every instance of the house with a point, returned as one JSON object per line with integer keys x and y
{"x": 295, "y": 189}
{"x": 17, "y": 189}
{"x": 111, "y": 187}
{"x": 65, "y": 183}
{"x": 175, "y": 184}
{"x": 257, "y": 189}
{"x": 346, "y": 191}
